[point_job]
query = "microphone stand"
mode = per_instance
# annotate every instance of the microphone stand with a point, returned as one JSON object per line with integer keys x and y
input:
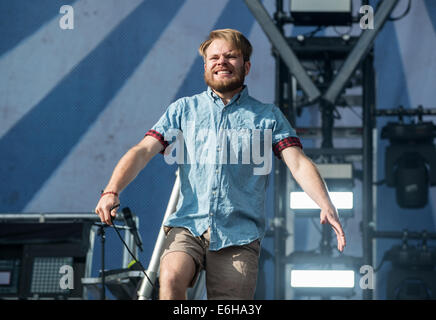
{"x": 102, "y": 233}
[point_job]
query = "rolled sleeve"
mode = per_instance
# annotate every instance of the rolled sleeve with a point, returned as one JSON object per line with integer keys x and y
{"x": 168, "y": 122}
{"x": 285, "y": 143}
{"x": 284, "y": 135}
{"x": 158, "y": 136}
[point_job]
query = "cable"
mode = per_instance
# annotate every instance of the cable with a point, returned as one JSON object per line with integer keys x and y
{"x": 311, "y": 33}
{"x": 336, "y": 114}
{"x": 354, "y": 111}
{"x": 409, "y": 5}
{"x": 347, "y": 105}
{"x": 381, "y": 263}
{"x": 348, "y": 32}
{"x": 127, "y": 247}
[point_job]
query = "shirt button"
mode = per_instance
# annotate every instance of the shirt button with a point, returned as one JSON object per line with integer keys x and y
{"x": 211, "y": 213}
{"x": 214, "y": 192}
{"x": 217, "y": 171}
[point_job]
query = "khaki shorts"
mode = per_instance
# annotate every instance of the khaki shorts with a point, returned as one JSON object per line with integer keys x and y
{"x": 231, "y": 272}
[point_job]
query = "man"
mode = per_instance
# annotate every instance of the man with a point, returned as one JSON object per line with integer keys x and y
{"x": 219, "y": 221}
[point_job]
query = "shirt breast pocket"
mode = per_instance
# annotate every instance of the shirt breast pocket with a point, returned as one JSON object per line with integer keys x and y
{"x": 244, "y": 139}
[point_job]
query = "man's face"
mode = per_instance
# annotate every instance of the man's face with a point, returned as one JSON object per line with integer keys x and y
{"x": 224, "y": 68}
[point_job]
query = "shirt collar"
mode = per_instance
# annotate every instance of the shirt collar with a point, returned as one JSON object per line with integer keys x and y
{"x": 238, "y": 98}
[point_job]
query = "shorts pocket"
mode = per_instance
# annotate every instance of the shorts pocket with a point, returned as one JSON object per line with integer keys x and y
{"x": 167, "y": 230}
{"x": 255, "y": 246}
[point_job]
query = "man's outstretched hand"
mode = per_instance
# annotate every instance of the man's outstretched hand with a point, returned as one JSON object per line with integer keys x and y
{"x": 330, "y": 215}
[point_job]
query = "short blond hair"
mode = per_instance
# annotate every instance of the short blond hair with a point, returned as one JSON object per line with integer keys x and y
{"x": 233, "y": 36}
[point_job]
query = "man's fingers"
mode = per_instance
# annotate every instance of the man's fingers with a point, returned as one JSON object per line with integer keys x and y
{"x": 341, "y": 242}
{"x": 322, "y": 218}
{"x": 113, "y": 212}
{"x": 99, "y": 213}
{"x": 104, "y": 215}
{"x": 107, "y": 212}
{"x": 336, "y": 225}
{"x": 113, "y": 209}
{"x": 333, "y": 220}
{"x": 107, "y": 216}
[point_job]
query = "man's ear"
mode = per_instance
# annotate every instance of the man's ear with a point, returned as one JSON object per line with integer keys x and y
{"x": 247, "y": 66}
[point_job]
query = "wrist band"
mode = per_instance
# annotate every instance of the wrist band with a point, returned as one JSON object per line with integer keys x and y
{"x": 108, "y": 192}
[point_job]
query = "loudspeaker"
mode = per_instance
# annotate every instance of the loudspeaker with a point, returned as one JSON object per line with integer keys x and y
{"x": 36, "y": 257}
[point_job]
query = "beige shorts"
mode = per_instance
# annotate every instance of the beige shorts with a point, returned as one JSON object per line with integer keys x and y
{"x": 231, "y": 273}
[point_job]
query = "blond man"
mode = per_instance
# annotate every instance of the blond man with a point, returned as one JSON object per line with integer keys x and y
{"x": 219, "y": 221}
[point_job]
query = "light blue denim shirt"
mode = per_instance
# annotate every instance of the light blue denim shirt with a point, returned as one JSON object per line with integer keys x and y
{"x": 224, "y": 158}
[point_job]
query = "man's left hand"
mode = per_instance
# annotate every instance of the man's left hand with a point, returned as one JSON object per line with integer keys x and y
{"x": 330, "y": 215}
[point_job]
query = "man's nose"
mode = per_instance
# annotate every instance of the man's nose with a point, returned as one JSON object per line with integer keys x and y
{"x": 222, "y": 60}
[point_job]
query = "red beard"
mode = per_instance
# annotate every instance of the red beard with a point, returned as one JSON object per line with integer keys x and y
{"x": 225, "y": 85}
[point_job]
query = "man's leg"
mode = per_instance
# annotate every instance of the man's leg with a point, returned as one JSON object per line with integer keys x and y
{"x": 177, "y": 269}
{"x": 181, "y": 261}
{"x": 231, "y": 273}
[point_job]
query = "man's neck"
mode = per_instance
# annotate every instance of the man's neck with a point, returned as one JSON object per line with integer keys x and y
{"x": 226, "y": 97}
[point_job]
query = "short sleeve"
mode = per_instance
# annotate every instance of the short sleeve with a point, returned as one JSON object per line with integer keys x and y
{"x": 168, "y": 123}
{"x": 283, "y": 135}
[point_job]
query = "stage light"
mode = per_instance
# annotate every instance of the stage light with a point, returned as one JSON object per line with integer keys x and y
{"x": 412, "y": 275}
{"x": 318, "y": 272}
{"x": 322, "y": 278}
{"x": 339, "y": 180}
{"x": 5, "y": 278}
{"x": 410, "y": 161}
{"x": 341, "y": 200}
{"x": 313, "y": 274}
{"x": 321, "y": 12}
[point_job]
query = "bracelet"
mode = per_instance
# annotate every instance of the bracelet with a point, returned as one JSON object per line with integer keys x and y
{"x": 108, "y": 192}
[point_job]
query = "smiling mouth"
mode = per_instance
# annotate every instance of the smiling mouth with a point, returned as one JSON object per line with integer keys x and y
{"x": 223, "y": 72}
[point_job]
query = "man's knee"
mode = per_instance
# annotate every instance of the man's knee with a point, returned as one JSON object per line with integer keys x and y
{"x": 168, "y": 278}
{"x": 176, "y": 271}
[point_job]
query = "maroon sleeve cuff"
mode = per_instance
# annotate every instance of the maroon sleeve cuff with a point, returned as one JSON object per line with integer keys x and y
{"x": 159, "y": 137}
{"x": 285, "y": 143}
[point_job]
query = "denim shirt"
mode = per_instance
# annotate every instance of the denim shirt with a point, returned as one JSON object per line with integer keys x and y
{"x": 224, "y": 158}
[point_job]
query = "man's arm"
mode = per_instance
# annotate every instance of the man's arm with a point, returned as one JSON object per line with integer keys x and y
{"x": 306, "y": 174}
{"x": 125, "y": 171}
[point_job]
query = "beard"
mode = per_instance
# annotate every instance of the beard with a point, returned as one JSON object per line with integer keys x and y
{"x": 225, "y": 85}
